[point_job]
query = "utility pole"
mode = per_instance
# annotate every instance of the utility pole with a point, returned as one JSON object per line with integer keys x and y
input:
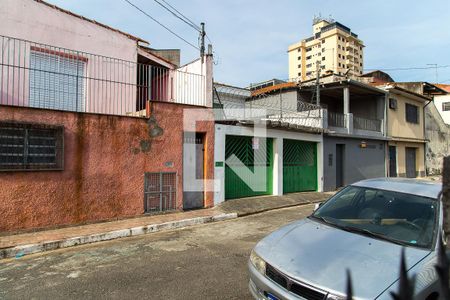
{"x": 318, "y": 82}
{"x": 202, "y": 40}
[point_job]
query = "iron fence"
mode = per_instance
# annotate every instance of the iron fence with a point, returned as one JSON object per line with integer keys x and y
{"x": 44, "y": 76}
{"x": 336, "y": 119}
{"x": 366, "y": 124}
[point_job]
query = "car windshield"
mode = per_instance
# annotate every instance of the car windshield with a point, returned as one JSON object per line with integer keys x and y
{"x": 397, "y": 217}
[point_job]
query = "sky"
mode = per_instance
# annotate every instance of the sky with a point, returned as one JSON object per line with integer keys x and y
{"x": 250, "y": 37}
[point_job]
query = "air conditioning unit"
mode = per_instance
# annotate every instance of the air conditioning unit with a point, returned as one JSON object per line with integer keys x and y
{"x": 392, "y": 103}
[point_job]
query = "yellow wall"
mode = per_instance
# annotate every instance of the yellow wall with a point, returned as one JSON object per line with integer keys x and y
{"x": 401, "y": 157}
{"x": 397, "y": 125}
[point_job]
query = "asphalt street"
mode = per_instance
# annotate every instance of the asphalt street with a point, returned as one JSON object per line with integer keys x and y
{"x": 202, "y": 262}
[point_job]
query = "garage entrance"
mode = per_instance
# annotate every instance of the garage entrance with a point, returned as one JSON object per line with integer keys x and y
{"x": 244, "y": 148}
{"x": 299, "y": 166}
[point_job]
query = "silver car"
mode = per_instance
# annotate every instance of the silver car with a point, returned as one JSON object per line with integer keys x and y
{"x": 363, "y": 229}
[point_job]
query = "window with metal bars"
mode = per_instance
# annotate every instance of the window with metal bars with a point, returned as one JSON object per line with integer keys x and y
{"x": 30, "y": 147}
{"x": 445, "y": 106}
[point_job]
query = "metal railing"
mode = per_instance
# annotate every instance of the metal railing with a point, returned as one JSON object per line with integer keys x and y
{"x": 238, "y": 104}
{"x": 336, "y": 119}
{"x": 366, "y": 124}
{"x": 44, "y": 76}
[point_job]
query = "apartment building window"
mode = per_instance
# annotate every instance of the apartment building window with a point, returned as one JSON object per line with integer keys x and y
{"x": 339, "y": 64}
{"x": 339, "y": 38}
{"x": 31, "y": 146}
{"x": 339, "y": 55}
{"x": 309, "y": 65}
{"x": 339, "y": 46}
{"x": 56, "y": 80}
{"x": 299, "y": 58}
{"x": 323, "y": 67}
{"x": 323, "y": 41}
{"x": 308, "y": 49}
{"x": 323, "y": 58}
{"x": 299, "y": 49}
{"x": 412, "y": 113}
{"x": 360, "y": 64}
{"x": 299, "y": 66}
{"x": 308, "y": 73}
{"x": 308, "y": 57}
{"x": 323, "y": 49}
{"x": 299, "y": 74}
{"x": 445, "y": 106}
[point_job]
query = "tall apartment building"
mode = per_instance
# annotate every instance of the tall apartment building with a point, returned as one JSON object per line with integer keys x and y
{"x": 333, "y": 46}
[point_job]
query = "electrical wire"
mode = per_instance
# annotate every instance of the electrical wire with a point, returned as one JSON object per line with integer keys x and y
{"x": 186, "y": 18}
{"x": 182, "y": 18}
{"x": 161, "y": 24}
{"x": 409, "y": 68}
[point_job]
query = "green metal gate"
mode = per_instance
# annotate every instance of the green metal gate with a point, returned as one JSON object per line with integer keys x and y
{"x": 242, "y": 147}
{"x": 299, "y": 166}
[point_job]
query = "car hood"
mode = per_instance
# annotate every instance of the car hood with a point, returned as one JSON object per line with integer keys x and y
{"x": 318, "y": 254}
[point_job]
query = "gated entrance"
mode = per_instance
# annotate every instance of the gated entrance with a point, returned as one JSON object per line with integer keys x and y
{"x": 299, "y": 166}
{"x": 244, "y": 148}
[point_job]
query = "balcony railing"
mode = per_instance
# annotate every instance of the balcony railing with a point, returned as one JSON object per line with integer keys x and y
{"x": 367, "y": 124}
{"x": 336, "y": 119}
{"x": 45, "y": 76}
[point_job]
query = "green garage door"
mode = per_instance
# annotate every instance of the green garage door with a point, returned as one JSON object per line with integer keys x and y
{"x": 242, "y": 147}
{"x": 299, "y": 166}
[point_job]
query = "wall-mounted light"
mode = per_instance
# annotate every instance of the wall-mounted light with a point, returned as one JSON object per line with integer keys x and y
{"x": 363, "y": 144}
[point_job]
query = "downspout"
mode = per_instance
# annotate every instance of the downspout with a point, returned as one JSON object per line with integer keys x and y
{"x": 425, "y": 136}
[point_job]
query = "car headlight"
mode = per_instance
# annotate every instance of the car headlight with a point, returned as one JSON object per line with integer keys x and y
{"x": 258, "y": 262}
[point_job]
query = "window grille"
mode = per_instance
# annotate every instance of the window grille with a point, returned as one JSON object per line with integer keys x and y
{"x": 31, "y": 147}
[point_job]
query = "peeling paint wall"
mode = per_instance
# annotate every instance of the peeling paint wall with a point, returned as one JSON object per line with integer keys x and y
{"x": 438, "y": 135}
{"x": 105, "y": 159}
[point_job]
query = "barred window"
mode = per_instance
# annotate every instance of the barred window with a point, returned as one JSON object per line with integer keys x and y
{"x": 412, "y": 113}
{"x": 445, "y": 106}
{"x": 31, "y": 147}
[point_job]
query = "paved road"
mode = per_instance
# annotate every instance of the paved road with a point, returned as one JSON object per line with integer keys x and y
{"x": 201, "y": 262}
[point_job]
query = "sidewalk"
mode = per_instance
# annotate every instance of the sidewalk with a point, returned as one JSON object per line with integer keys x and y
{"x": 19, "y": 245}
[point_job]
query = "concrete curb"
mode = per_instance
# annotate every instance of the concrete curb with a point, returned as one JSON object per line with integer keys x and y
{"x": 19, "y": 251}
{"x": 250, "y": 213}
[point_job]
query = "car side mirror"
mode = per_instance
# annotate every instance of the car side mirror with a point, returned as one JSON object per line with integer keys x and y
{"x": 317, "y": 205}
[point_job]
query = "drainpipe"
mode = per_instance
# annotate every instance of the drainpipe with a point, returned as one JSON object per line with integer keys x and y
{"x": 425, "y": 135}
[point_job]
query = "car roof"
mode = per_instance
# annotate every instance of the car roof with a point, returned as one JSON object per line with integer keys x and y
{"x": 418, "y": 187}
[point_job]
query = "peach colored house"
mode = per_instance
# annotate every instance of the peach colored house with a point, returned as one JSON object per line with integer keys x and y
{"x": 91, "y": 121}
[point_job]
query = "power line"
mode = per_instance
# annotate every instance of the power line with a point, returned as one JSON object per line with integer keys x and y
{"x": 409, "y": 68}
{"x": 164, "y": 26}
{"x": 182, "y": 18}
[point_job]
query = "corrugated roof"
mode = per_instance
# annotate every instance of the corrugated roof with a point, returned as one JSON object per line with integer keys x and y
{"x": 91, "y": 21}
